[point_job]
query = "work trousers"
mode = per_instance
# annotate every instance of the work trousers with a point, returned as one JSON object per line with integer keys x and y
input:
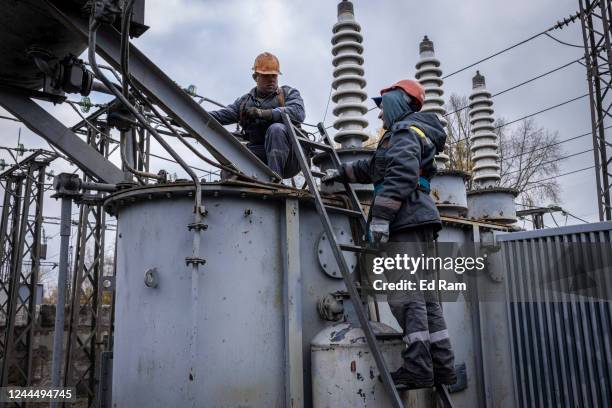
{"x": 277, "y": 151}
{"x": 428, "y": 351}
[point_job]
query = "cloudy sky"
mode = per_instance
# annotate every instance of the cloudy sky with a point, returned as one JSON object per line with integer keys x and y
{"x": 212, "y": 44}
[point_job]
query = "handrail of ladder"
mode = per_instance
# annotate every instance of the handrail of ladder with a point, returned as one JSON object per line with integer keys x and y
{"x": 356, "y": 205}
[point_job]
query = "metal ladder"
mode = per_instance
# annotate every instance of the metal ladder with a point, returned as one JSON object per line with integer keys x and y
{"x": 296, "y": 135}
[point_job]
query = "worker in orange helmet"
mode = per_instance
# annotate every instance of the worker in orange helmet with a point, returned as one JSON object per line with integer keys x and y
{"x": 259, "y": 114}
{"x": 404, "y": 213}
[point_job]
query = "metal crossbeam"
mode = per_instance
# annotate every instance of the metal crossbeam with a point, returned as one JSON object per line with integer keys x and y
{"x": 156, "y": 85}
{"x": 45, "y": 125}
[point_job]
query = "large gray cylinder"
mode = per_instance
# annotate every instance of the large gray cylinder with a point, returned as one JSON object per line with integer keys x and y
{"x": 341, "y": 360}
{"x": 241, "y": 320}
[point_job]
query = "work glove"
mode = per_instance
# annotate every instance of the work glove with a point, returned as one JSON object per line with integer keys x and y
{"x": 256, "y": 113}
{"x": 379, "y": 230}
{"x": 331, "y": 175}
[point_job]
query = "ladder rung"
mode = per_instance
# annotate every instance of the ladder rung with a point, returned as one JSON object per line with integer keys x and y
{"x": 355, "y": 248}
{"x": 317, "y": 173}
{"x": 346, "y": 211}
{"x": 320, "y": 146}
{"x": 447, "y": 402}
{"x": 389, "y": 336}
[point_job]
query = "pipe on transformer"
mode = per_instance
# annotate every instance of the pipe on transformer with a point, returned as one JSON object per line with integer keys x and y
{"x": 58, "y": 335}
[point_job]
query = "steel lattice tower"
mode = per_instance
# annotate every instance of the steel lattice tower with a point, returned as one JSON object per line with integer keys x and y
{"x": 596, "y": 16}
{"x": 20, "y": 252}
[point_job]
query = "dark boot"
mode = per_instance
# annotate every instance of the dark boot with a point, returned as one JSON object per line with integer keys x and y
{"x": 406, "y": 380}
{"x": 440, "y": 346}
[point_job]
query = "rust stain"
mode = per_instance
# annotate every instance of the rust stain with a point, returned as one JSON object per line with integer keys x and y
{"x": 435, "y": 194}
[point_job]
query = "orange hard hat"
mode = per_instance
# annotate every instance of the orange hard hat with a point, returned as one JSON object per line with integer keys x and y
{"x": 266, "y": 63}
{"x": 413, "y": 88}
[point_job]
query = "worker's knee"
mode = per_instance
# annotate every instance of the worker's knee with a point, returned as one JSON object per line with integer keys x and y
{"x": 276, "y": 130}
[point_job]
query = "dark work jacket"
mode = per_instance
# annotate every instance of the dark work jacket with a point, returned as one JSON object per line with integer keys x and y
{"x": 255, "y": 130}
{"x": 395, "y": 168}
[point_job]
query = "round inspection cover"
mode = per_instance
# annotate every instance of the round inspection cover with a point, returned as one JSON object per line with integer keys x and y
{"x": 327, "y": 261}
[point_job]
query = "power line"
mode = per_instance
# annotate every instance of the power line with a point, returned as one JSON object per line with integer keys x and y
{"x": 558, "y": 25}
{"x": 527, "y": 116}
{"x": 523, "y": 83}
{"x": 563, "y": 174}
{"x": 9, "y": 118}
{"x": 327, "y": 106}
{"x": 576, "y": 217}
{"x": 562, "y": 42}
{"x": 553, "y": 218}
{"x": 193, "y": 167}
{"x": 524, "y": 218}
{"x": 552, "y": 144}
{"x": 563, "y": 210}
{"x": 515, "y": 87}
{"x": 549, "y": 161}
{"x": 542, "y": 111}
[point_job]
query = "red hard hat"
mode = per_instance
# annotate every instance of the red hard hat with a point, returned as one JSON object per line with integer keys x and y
{"x": 412, "y": 88}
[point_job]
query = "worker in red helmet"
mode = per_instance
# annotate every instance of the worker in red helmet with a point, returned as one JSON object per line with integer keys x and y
{"x": 404, "y": 213}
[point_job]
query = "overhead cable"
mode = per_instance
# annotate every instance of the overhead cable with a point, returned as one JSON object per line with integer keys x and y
{"x": 542, "y": 111}
{"x": 553, "y": 144}
{"x": 523, "y": 83}
{"x": 563, "y": 174}
{"x": 527, "y": 116}
{"x": 548, "y": 162}
{"x": 9, "y": 118}
{"x": 562, "y": 42}
{"x": 558, "y": 25}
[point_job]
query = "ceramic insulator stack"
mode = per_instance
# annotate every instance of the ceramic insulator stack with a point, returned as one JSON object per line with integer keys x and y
{"x": 349, "y": 83}
{"x": 429, "y": 74}
{"x": 484, "y": 141}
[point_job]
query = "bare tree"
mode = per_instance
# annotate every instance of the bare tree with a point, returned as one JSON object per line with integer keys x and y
{"x": 458, "y": 131}
{"x": 528, "y": 153}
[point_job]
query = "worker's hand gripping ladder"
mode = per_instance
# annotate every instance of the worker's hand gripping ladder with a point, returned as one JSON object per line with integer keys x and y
{"x": 297, "y": 140}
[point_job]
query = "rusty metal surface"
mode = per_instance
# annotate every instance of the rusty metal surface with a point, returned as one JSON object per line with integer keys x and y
{"x": 344, "y": 373}
{"x": 492, "y": 205}
{"x": 449, "y": 192}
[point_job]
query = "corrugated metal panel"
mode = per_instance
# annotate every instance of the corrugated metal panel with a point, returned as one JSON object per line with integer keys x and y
{"x": 561, "y": 344}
